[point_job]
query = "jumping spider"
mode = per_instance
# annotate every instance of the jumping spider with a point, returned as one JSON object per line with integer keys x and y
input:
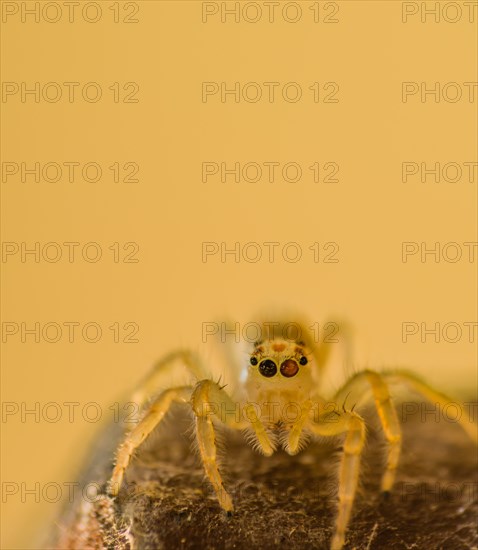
{"x": 281, "y": 371}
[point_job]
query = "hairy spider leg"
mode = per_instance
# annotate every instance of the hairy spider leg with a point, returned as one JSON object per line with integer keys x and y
{"x": 209, "y": 400}
{"x": 387, "y": 414}
{"x": 415, "y": 384}
{"x": 160, "y": 374}
{"x": 293, "y": 440}
{"x": 133, "y": 439}
{"x": 354, "y": 427}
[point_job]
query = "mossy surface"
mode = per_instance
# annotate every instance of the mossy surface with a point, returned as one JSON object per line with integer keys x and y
{"x": 289, "y": 501}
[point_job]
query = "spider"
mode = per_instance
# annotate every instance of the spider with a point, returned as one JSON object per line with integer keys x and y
{"x": 279, "y": 405}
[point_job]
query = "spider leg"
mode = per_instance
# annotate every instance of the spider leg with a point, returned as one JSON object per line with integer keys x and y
{"x": 354, "y": 427}
{"x": 387, "y": 415}
{"x": 293, "y": 441}
{"x": 139, "y": 433}
{"x": 160, "y": 374}
{"x": 265, "y": 444}
{"x": 210, "y": 399}
{"x": 420, "y": 387}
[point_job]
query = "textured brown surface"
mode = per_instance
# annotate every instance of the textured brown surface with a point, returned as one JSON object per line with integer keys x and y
{"x": 288, "y": 502}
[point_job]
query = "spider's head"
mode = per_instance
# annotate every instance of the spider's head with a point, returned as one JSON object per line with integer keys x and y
{"x": 280, "y": 361}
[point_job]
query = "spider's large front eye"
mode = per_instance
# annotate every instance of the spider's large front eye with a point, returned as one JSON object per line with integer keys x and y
{"x": 268, "y": 368}
{"x": 289, "y": 368}
{"x": 253, "y": 360}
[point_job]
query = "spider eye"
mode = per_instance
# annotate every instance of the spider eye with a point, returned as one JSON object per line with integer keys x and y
{"x": 268, "y": 368}
{"x": 289, "y": 368}
{"x": 253, "y": 360}
{"x": 303, "y": 361}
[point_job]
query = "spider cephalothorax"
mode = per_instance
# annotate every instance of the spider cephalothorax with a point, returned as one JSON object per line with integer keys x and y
{"x": 279, "y": 380}
{"x": 279, "y": 393}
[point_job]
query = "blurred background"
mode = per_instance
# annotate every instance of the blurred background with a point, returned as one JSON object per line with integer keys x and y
{"x": 146, "y": 195}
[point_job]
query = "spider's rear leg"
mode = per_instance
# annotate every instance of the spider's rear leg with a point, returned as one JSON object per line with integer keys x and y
{"x": 420, "y": 387}
{"x": 137, "y": 435}
{"x": 160, "y": 374}
{"x": 387, "y": 415}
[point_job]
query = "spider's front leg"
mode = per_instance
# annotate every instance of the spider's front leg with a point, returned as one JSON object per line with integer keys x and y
{"x": 159, "y": 376}
{"x": 210, "y": 399}
{"x": 354, "y": 427}
{"x": 294, "y": 439}
{"x": 137, "y": 435}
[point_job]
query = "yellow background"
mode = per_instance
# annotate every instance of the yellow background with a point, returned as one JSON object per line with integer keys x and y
{"x": 169, "y": 133}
